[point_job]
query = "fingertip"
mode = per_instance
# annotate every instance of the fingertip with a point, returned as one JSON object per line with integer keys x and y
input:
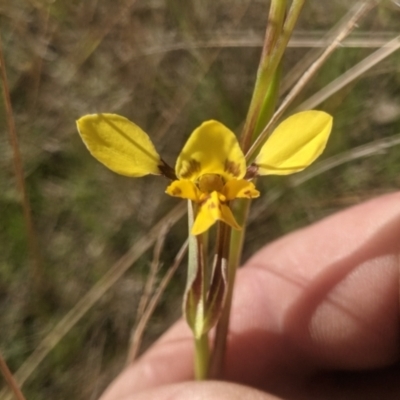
{"x": 169, "y": 360}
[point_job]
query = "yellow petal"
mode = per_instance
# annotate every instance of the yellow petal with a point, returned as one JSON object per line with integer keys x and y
{"x": 119, "y": 144}
{"x": 239, "y": 188}
{"x": 211, "y": 211}
{"x": 185, "y": 189}
{"x": 295, "y": 143}
{"x": 211, "y": 149}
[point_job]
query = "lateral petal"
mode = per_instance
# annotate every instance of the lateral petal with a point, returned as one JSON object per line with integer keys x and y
{"x": 295, "y": 143}
{"x": 185, "y": 189}
{"x": 119, "y": 144}
{"x": 239, "y": 188}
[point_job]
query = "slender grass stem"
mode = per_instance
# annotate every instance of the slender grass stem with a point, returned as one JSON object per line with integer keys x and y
{"x": 36, "y": 272}
{"x": 235, "y": 254}
{"x": 12, "y": 384}
{"x": 266, "y": 70}
{"x": 196, "y": 297}
{"x": 202, "y": 357}
{"x": 273, "y": 51}
{"x": 137, "y": 335}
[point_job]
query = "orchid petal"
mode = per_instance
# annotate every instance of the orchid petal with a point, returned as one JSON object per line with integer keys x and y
{"x": 185, "y": 189}
{"x": 295, "y": 143}
{"x": 211, "y": 149}
{"x": 239, "y": 188}
{"x": 211, "y": 211}
{"x": 119, "y": 144}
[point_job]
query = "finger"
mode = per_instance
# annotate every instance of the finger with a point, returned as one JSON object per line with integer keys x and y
{"x": 304, "y": 302}
{"x": 200, "y": 391}
{"x": 323, "y": 297}
{"x": 169, "y": 360}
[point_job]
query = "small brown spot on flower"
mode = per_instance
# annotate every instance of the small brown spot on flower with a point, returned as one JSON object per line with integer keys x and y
{"x": 189, "y": 168}
{"x": 232, "y": 168}
{"x": 176, "y": 192}
{"x": 212, "y": 205}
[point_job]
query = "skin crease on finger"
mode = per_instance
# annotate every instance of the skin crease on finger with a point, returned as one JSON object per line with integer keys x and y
{"x": 324, "y": 298}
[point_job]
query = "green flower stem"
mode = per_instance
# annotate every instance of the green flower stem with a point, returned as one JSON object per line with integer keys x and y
{"x": 268, "y": 106}
{"x": 265, "y": 75}
{"x": 275, "y": 44}
{"x": 196, "y": 260}
{"x": 201, "y": 357}
{"x": 265, "y": 70}
{"x": 207, "y": 275}
{"x": 202, "y": 352}
{"x": 235, "y": 253}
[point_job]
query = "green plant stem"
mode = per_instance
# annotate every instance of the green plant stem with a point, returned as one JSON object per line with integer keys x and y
{"x": 209, "y": 295}
{"x": 201, "y": 357}
{"x": 196, "y": 266}
{"x": 271, "y": 57}
{"x": 265, "y": 70}
{"x": 235, "y": 254}
{"x": 269, "y": 104}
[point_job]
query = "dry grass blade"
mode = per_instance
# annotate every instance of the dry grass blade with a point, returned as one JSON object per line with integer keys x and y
{"x": 88, "y": 44}
{"x": 91, "y": 298}
{"x": 154, "y": 267}
{"x": 300, "y": 68}
{"x": 141, "y": 326}
{"x": 12, "y": 384}
{"x": 352, "y": 74}
{"x": 19, "y": 175}
{"x": 38, "y": 62}
{"x": 298, "y": 40}
{"x": 366, "y": 150}
{"x": 361, "y": 8}
{"x": 357, "y": 40}
{"x": 183, "y": 96}
{"x": 148, "y": 288}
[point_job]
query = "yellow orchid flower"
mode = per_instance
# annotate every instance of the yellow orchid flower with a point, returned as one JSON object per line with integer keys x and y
{"x": 210, "y": 171}
{"x": 211, "y": 168}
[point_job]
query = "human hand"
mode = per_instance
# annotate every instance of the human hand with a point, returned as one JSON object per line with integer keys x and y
{"x": 315, "y": 316}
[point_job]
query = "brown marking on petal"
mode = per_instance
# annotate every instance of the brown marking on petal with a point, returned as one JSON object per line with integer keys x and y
{"x": 191, "y": 167}
{"x": 176, "y": 192}
{"x": 251, "y": 193}
{"x": 212, "y": 205}
{"x": 208, "y": 183}
{"x": 232, "y": 168}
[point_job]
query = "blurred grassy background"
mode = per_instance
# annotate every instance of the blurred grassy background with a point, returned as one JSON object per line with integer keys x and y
{"x": 167, "y": 65}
